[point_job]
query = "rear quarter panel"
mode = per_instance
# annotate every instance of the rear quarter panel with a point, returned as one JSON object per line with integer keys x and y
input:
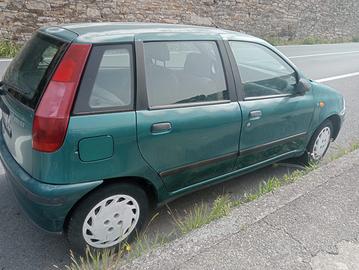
{"x": 66, "y": 167}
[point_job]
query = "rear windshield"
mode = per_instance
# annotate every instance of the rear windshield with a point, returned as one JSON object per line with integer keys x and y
{"x": 30, "y": 70}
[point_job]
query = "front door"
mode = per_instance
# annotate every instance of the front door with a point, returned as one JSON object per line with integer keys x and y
{"x": 275, "y": 117}
{"x": 190, "y": 131}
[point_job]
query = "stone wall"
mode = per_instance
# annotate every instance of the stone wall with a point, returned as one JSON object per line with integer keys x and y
{"x": 286, "y": 19}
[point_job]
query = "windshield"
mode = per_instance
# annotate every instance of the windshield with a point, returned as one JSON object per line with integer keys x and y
{"x": 29, "y": 69}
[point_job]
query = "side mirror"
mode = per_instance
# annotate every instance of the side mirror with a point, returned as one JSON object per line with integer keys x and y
{"x": 303, "y": 86}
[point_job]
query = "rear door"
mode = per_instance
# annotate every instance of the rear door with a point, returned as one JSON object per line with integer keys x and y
{"x": 275, "y": 117}
{"x": 23, "y": 83}
{"x": 188, "y": 122}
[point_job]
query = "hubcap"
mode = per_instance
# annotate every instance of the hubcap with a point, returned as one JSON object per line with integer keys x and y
{"x": 321, "y": 143}
{"x": 111, "y": 221}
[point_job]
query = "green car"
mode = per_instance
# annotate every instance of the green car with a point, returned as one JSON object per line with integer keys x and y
{"x": 102, "y": 122}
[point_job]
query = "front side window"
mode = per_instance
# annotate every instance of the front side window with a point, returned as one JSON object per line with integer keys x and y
{"x": 183, "y": 72}
{"x": 263, "y": 72}
{"x": 107, "y": 84}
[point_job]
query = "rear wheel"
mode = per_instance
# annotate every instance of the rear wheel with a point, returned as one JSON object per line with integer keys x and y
{"x": 108, "y": 217}
{"x": 318, "y": 144}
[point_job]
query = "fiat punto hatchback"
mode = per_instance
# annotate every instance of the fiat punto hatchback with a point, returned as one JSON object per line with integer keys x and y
{"x": 101, "y": 122}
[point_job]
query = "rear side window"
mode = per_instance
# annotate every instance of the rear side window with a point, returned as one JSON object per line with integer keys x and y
{"x": 107, "y": 84}
{"x": 30, "y": 70}
{"x": 184, "y": 72}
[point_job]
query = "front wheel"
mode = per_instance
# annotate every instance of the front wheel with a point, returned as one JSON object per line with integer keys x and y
{"x": 318, "y": 144}
{"x": 107, "y": 217}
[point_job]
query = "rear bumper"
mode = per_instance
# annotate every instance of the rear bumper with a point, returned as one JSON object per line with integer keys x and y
{"x": 46, "y": 205}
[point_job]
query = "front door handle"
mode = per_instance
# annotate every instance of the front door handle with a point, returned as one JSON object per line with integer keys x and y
{"x": 254, "y": 115}
{"x": 161, "y": 127}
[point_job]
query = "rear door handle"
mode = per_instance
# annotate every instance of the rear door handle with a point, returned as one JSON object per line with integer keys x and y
{"x": 161, "y": 127}
{"x": 253, "y": 115}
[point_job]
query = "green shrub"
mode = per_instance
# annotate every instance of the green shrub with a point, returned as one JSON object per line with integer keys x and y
{"x": 8, "y": 48}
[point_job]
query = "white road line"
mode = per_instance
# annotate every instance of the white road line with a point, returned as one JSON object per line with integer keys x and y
{"x": 338, "y": 77}
{"x": 5, "y": 60}
{"x": 321, "y": 54}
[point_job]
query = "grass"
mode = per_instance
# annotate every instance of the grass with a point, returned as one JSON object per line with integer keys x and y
{"x": 8, "y": 49}
{"x": 111, "y": 260}
{"x": 200, "y": 215}
{"x": 105, "y": 260}
{"x": 342, "y": 151}
{"x": 145, "y": 243}
{"x": 311, "y": 40}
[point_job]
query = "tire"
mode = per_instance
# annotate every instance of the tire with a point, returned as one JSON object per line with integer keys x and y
{"x": 315, "y": 150}
{"x": 109, "y": 216}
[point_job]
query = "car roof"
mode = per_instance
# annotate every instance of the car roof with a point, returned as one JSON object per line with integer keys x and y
{"x": 117, "y": 32}
{"x": 112, "y": 32}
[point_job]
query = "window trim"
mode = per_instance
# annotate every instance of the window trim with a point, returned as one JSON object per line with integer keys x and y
{"x": 268, "y": 97}
{"x": 238, "y": 79}
{"x": 189, "y": 104}
{"x": 81, "y": 97}
{"x": 142, "y": 102}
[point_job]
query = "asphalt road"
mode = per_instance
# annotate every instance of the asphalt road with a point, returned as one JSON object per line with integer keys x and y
{"x": 22, "y": 246}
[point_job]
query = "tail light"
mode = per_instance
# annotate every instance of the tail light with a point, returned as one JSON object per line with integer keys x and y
{"x": 53, "y": 113}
